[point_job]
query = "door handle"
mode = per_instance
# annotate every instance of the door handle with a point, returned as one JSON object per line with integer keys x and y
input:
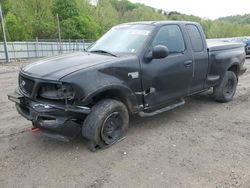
{"x": 188, "y": 63}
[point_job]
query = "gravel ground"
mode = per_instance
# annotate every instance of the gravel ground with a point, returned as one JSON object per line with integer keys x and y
{"x": 201, "y": 144}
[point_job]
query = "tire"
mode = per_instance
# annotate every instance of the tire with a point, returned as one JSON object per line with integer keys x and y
{"x": 225, "y": 91}
{"x": 106, "y": 124}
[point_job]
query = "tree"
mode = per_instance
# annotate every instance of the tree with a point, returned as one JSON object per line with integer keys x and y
{"x": 28, "y": 19}
{"x": 242, "y": 19}
{"x": 122, "y": 7}
{"x": 6, "y": 6}
{"x": 79, "y": 27}
{"x": 105, "y": 15}
{"x": 206, "y": 25}
{"x": 15, "y": 31}
{"x": 65, "y": 9}
{"x": 35, "y": 17}
{"x": 143, "y": 13}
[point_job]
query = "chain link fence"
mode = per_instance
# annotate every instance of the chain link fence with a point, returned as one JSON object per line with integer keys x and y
{"x": 42, "y": 48}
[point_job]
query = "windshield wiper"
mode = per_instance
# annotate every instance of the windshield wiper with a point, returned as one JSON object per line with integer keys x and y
{"x": 103, "y": 52}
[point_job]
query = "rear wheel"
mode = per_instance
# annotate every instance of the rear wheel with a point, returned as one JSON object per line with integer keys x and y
{"x": 225, "y": 91}
{"x": 106, "y": 124}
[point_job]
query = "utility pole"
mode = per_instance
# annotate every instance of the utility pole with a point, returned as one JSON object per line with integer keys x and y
{"x": 59, "y": 33}
{"x": 4, "y": 36}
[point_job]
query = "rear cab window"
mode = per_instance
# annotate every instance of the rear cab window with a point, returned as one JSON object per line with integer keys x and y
{"x": 195, "y": 38}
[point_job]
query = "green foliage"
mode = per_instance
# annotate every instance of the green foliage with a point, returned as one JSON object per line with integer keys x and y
{"x": 242, "y": 19}
{"x": 28, "y": 19}
{"x": 65, "y": 9}
{"x": 6, "y": 6}
{"x": 13, "y": 24}
{"x": 35, "y": 17}
{"x": 143, "y": 13}
{"x": 179, "y": 16}
{"x": 123, "y": 6}
{"x": 84, "y": 7}
{"x": 105, "y": 15}
{"x": 79, "y": 27}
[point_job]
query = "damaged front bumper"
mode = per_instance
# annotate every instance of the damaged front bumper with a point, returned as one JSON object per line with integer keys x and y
{"x": 62, "y": 122}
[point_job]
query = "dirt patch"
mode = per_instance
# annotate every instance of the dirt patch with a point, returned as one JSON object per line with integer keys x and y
{"x": 201, "y": 144}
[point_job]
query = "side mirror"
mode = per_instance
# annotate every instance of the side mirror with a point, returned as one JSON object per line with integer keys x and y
{"x": 159, "y": 52}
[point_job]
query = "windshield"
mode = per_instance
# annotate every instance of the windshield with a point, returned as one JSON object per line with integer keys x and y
{"x": 123, "y": 39}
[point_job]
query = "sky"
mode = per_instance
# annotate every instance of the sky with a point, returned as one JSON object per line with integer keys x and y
{"x": 211, "y": 9}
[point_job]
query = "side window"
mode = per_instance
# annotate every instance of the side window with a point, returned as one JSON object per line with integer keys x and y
{"x": 171, "y": 37}
{"x": 195, "y": 37}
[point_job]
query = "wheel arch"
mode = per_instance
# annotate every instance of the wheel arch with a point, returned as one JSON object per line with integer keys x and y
{"x": 234, "y": 67}
{"x": 120, "y": 93}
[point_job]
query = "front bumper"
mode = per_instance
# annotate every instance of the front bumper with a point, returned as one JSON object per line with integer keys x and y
{"x": 53, "y": 120}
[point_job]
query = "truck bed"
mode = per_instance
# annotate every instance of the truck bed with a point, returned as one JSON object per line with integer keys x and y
{"x": 220, "y": 45}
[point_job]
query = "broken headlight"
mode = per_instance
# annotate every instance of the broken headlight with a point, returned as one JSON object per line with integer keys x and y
{"x": 57, "y": 92}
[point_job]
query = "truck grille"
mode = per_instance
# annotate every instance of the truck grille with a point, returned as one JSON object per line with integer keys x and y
{"x": 26, "y": 85}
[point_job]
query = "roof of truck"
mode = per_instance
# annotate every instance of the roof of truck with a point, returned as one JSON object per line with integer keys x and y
{"x": 159, "y": 23}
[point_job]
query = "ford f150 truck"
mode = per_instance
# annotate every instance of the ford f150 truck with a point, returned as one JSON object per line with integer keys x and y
{"x": 142, "y": 68}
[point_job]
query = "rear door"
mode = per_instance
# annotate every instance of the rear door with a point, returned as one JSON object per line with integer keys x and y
{"x": 168, "y": 78}
{"x": 200, "y": 57}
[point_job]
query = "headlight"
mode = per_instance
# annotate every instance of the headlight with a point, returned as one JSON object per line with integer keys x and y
{"x": 57, "y": 92}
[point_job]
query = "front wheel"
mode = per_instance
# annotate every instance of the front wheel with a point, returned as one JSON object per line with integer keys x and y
{"x": 225, "y": 91}
{"x": 106, "y": 124}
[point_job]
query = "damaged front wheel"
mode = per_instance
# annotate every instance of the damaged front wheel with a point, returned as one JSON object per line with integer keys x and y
{"x": 106, "y": 124}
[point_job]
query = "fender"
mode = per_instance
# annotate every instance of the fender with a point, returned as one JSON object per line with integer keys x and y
{"x": 116, "y": 80}
{"x": 119, "y": 92}
{"x": 237, "y": 64}
{"x": 223, "y": 61}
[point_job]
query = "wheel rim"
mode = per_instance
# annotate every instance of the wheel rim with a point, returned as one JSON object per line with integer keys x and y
{"x": 112, "y": 128}
{"x": 229, "y": 87}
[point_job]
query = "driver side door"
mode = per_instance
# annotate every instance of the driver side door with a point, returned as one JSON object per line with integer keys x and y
{"x": 168, "y": 78}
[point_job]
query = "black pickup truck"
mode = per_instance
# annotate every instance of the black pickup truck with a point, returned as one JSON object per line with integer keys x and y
{"x": 142, "y": 68}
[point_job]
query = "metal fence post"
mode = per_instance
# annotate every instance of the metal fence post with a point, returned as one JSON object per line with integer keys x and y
{"x": 14, "y": 51}
{"x": 69, "y": 45}
{"x": 59, "y": 32}
{"x": 4, "y": 36}
{"x": 27, "y": 46}
{"x": 36, "y": 44}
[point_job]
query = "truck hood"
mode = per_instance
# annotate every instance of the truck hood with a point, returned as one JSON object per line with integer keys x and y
{"x": 57, "y": 67}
